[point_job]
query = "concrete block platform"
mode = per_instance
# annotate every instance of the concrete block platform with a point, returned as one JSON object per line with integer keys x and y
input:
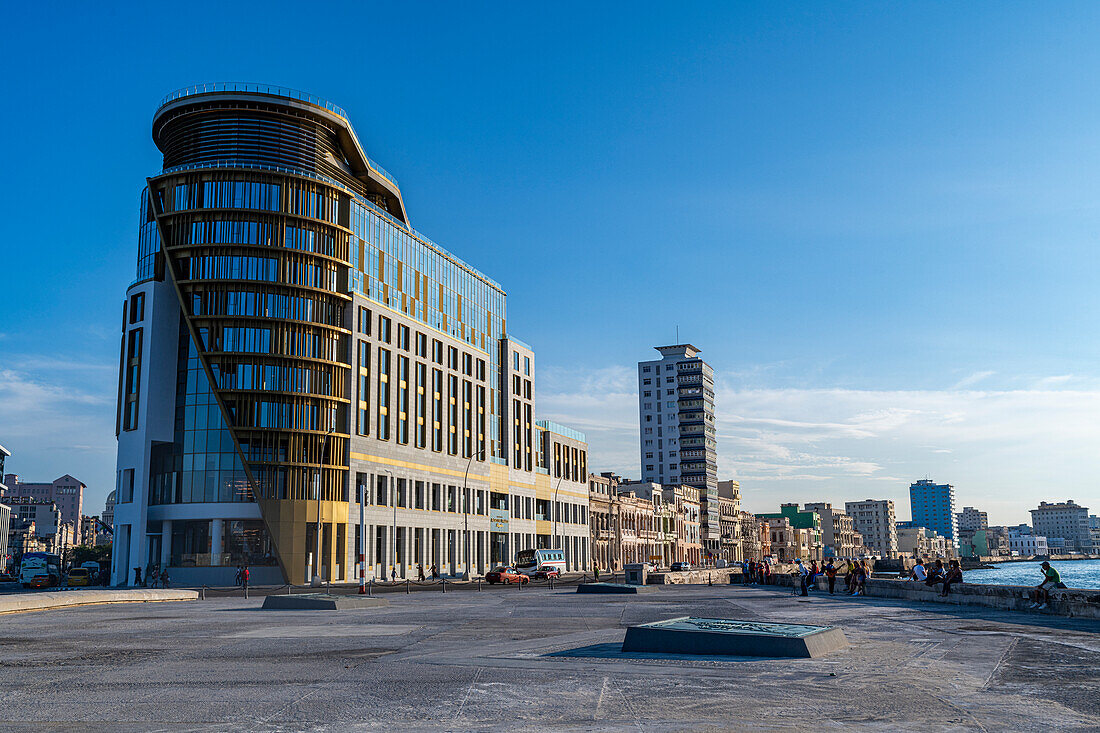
{"x": 731, "y": 637}
{"x": 614, "y": 588}
{"x": 19, "y": 602}
{"x": 322, "y": 602}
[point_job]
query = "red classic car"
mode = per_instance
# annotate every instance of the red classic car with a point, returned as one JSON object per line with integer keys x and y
{"x": 501, "y": 574}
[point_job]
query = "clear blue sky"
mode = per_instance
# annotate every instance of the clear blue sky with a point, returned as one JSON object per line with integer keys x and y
{"x": 879, "y": 222}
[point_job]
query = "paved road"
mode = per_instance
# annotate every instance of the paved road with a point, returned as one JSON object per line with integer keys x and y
{"x": 534, "y": 659}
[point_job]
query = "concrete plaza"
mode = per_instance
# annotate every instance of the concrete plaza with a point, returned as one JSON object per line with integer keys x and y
{"x": 535, "y": 658}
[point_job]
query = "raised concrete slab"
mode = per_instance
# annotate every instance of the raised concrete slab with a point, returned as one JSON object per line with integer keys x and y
{"x": 44, "y": 601}
{"x": 614, "y": 588}
{"x": 730, "y": 637}
{"x": 322, "y": 602}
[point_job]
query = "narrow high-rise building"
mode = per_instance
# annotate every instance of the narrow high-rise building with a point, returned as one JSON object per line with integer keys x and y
{"x": 307, "y": 381}
{"x": 933, "y": 506}
{"x": 677, "y": 443}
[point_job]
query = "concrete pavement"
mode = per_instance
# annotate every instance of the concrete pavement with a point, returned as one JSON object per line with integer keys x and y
{"x": 541, "y": 659}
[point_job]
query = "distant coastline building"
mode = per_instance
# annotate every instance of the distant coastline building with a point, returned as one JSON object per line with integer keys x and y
{"x": 1067, "y": 520}
{"x": 838, "y": 532}
{"x": 729, "y": 514}
{"x": 677, "y": 443}
{"x": 972, "y": 519}
{"x": 932, "y": 505}
{"x": 875, "y": 521}
{"x": 66, "y": 492}
{"x": 307, "y": 380}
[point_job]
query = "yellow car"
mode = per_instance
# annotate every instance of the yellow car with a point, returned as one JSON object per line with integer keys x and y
{"x": 79, "y": 576}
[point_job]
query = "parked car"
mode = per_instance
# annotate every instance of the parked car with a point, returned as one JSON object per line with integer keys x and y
{"x": 545, "y": 572}
{"x": 79, "y": 576}
{"x": 505, "y": 575}
{"x": 42, "y": 580}
{"x": 6, "y": 577}
{"x": 681, "y": 566}
{"x": 652, "y": 567}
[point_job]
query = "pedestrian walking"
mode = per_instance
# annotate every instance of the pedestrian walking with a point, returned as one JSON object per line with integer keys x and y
{"x": 164, "y": 579}
{"x": 137, "y": 576}
{"x": 244, "y": 577}
{"x": 237, "y": 577}
{"x": 435, "y": 572}
{"x": 419, "y": 572}
{"x": 803, "y": 575}
{"x": 596, "y": 571}
{"x": 393, "y": 574}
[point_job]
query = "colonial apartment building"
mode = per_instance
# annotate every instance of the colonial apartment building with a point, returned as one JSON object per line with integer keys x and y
{"x": 874, "y": 520}
{"x": 838, "y": 532}
{"x": 307, "y": 380}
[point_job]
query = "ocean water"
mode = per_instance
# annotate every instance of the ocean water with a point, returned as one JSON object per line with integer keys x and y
{"x": 1075, "y": 573}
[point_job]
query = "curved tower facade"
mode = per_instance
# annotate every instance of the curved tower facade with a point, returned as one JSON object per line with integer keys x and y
{"x": 295, "y": 357}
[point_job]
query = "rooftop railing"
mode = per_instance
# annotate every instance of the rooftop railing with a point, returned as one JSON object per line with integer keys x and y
{"x": 224, "y": 87}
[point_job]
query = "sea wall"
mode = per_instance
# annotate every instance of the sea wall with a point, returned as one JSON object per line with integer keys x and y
{"x": 703, "y": 576}
{"x": 1069, "y": 602}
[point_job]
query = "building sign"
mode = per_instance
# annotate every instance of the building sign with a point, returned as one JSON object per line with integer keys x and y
{"x": 498, "y": 520}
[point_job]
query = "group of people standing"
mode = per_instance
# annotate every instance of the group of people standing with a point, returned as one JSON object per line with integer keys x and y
{"x": 155, "y": 577}
{"x": 856, "y": 573}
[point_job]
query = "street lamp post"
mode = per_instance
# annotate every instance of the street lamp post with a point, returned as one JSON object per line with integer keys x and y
{"x": 554, "y": 514}
{"x": 480, "y": 455}
{"x": 316, "y": 580}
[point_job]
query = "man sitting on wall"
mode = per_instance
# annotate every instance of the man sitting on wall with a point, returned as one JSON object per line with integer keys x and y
{"x": 918, "y": 572}
{"x": 1051, "y": 580}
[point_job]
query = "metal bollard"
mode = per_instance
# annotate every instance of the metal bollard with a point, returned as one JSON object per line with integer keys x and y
{"x": 407, "y": 584}
{"x": 444, "y": 582}
{"x": 246, "y": 592}
{"x": 551, "y": 579}
{"x": 288, "y": 587}
{"x": 202, "y": 593}
{"x": 370, "y": 587}
{"x": 479, "y": 585}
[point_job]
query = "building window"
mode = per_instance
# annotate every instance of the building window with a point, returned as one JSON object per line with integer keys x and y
{"x": 452, "y": 358}
{"x": 421, "y": 345}
{"x": 363, "y": 427}
{"x": 402, "y": 337}
{"x": 403, "y": 399}
{"x": 437, "y": 410}
{"x": 137, "y": 307}
{"x": 383, "y": 394}
{"x": 452, "y": 414}
{"x": 527, "y": 365}
{"x": 364, "y": 320}
{"x": 421, "y": 405}
{"x": 437, "y": 351}
{"x": 384, "y": 329}
{"x": 133, "y": 380}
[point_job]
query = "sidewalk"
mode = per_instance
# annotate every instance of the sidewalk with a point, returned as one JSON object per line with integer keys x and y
{"x": 17, "y": 602}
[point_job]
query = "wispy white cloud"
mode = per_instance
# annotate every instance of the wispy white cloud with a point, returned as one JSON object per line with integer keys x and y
{"x": 973, "y": 379}
{"x": 1006, "y": 448}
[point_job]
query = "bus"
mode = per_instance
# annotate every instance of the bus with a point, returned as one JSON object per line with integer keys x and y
{"x": 529, "y": 561}
{"x": 39, "y": 569}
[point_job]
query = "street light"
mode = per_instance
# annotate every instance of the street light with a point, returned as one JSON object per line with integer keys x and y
{"x": 480, "y": 455}
{"x": 316, "y": 581}
{"x": 554, "y": 514}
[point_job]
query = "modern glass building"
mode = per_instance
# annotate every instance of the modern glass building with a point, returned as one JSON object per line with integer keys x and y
{"x": 305, "y": 378}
